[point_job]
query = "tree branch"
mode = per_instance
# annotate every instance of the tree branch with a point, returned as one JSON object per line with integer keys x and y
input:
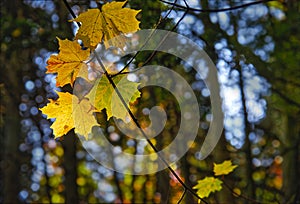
{"x": 160, "y": 43}
{"x": 182, "y": 196}
{"x": 240, "y": 195}
{"x": 141, "y": 130}
{"x": 284, "y": 97}
{"x": 215, "y": 10}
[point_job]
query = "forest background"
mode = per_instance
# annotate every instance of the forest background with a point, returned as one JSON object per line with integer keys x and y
{"x": 256, "y": 49}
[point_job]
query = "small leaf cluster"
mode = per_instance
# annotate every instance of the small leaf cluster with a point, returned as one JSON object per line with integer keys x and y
{"x": 212, "y": 184}
{"x": 73, "y": 62}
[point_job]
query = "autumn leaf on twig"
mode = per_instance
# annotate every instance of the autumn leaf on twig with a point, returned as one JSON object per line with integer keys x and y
{"x": 70, "y": 113}
{"x": 224, "y": 168}
{"x": 208, "y": 185}
{"x": 102, "y": 95}
{"x": 69, "y": 63}
{"x": 111, "y": 21}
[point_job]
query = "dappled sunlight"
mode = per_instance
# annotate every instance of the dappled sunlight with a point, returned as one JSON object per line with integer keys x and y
{"x": 132, "y": 154}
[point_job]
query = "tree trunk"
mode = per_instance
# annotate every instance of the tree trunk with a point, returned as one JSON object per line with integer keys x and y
{"x": 220, "y": 154}
{"x": 290, "y": 159}
{"x": 70, "y": 166}
{"x": 10, "y": 128}
{"x": 70, "y": 140}
{"x": 10, "y": 135}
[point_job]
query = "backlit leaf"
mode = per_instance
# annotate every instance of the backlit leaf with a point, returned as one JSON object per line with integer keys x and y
{"x": 208, "y": 185}
{"x": 70, "y": 113}
{"x": 101, "y": 95}
{"x": 279, "y": 4}
{"x": 105, "y": 24}
{"x": 225, "y": 168}
{"x": 69, "y": 63}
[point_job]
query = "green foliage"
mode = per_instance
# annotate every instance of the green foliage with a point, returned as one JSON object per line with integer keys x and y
{"x": 27, "y": 32}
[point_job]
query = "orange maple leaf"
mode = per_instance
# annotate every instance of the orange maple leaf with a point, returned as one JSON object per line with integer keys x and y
{"x": 69, "y": 63}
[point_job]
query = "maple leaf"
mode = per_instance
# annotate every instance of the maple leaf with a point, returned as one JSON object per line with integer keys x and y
{"x": 105, "y": 24}
{"x": 69, "y": 63}
{"x": 224, "y": 168}
{"x": 208, "y": 185}
{"x": 70, "y": 113}
{"x": 102, "y": 95}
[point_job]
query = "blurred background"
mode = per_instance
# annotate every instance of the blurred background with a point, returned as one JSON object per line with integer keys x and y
{"x": 256, "y": 50}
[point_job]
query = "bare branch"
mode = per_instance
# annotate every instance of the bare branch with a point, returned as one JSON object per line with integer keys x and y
{"x": 182, "y": 196}
{"x": 215, "y": 10}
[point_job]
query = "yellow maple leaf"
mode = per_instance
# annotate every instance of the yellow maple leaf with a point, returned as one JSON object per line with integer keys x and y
{"x": 224, "y": 168}
{"x": 208, "y": 185}
{"x": 102, "y": 95}
{"x": 69, "y": 63}
{"x": 105, "y": 24}
{"x": 70, "y": 113}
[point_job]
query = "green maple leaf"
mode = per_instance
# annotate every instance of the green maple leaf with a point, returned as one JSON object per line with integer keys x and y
{"x": 103, "y": 95}
{"x": 208, "y": 185}
{"x": 224, "y": 168}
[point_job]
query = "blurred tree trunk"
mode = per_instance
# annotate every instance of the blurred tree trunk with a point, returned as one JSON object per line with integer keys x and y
{"x": 220, "y": 154}
{"x": 286, "y": 96}
{"x": 291, "y": 138}
{"x": 10, "y": 133}
{"x": 12, "y": 87}
{"x": 290, "y": 159}
{"x": 70, "y": 140}
{"x": 70, "y": 166}
{"x": 249, "y": 168}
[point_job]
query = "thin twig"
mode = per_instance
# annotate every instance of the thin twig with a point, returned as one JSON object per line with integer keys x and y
{"x": 147, "y": 40}
{"x": 71, "y": 11}
{"x": 133, "y": 57}
{"x": 283, "y": 80}
{"x": 240, "y": 195}
{"x": 141, "y": 130}
{"x": 158, "y": 46}
{"x": 286, "y": 98}
{"x": 182, "y": 196}
{"x": 167, "y": 35}
{"x": 216, "y": 10}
